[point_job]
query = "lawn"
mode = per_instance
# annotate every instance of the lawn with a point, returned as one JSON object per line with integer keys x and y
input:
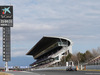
{"x": 2, "y": 73}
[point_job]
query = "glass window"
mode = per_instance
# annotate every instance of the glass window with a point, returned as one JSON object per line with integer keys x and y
{"x": 57, "y": 58}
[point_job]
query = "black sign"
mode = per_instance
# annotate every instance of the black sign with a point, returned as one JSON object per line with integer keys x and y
{"x": 6, "y": 22}
{"x": 6, "y": 44}
{"x": 6, "y": 12}
{"x": 6, "y": 16}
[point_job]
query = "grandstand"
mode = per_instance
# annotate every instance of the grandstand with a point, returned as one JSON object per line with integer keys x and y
{"x": 95, "y": 61}
{"x": 49, "y": 51}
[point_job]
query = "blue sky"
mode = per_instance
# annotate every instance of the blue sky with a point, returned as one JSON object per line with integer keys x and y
{"x": 78, "y": 20}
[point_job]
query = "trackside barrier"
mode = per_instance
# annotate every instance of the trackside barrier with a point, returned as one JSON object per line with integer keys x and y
{"x": 93, "y": 67}
{"x": 84, "y": 67}
{"x": 77, "y": 68}
{"x": 97, "y": 67}
{"x": 56, "y": 68}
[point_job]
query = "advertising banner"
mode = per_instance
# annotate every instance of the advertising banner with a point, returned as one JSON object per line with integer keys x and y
{"x": 6, "y": 16}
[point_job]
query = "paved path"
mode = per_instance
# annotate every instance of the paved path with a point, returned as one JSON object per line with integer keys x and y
{"x": 53, "y": 72}
{"x": 22, "y": 73}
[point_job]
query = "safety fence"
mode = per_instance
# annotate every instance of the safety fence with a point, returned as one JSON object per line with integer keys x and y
{"x": 96, "y": 67}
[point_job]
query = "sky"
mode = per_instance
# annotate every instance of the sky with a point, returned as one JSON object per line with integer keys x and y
{"x": 78, "y": 20}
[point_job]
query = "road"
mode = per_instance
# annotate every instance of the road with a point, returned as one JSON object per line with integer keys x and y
{"x": 56, "y": 73}
{"x": 22, "y": 73}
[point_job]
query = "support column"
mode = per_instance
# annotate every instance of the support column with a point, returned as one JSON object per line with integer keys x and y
{"x": 6, "y": 66}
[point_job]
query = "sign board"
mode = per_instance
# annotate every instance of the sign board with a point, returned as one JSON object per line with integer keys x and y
{"x": 6, "y": 16}
{"x": 6, "y": 44}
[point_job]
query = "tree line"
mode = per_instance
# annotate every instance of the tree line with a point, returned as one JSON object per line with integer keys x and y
{"x": 81, "y": 57}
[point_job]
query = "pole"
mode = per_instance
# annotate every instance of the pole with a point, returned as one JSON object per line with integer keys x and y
{"x": 6, "y": 66}
{"x": 78, "y": 64}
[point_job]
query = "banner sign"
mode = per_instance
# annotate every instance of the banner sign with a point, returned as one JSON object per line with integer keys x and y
{"x": 6, "y": 44}
{"x": 6, "y": 16}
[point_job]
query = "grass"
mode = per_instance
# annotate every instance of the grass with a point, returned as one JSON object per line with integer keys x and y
{"x": 2, "y": 73}
{"x": 91, "y": 70}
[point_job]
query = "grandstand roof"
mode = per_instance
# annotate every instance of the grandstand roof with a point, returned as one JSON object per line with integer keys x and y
{"x": 44, "y": 43}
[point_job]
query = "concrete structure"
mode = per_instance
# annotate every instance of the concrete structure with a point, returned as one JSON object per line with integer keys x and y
{"x": 95, "y": 61}
{"x": 49, "y": 51}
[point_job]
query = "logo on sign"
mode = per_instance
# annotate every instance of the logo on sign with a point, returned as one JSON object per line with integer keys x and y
{"x": 6, "y": 16}
{"x": 5, "y": 10}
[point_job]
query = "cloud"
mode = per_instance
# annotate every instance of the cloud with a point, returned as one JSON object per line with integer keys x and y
{"x": 29, "y": 27}
{"x": 85, "y": 37}
{"x": 26, "y": 32}
{"x": 18, "y": 52}
{"x": 35, "y": 18}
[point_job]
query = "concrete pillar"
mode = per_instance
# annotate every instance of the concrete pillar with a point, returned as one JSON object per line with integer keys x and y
{"x": 81, "y": 67}
{"x": 6, "y": 66}
{"x": 66, "y": 63}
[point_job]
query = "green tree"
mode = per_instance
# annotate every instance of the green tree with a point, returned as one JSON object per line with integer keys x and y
{"x": 68, "y": 57}
{"x": 81, "y": 57}
{"x": 64, "y": 59}
{"x": 88, "y": 55}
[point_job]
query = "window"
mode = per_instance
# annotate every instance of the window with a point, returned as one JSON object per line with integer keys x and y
{"x": 3, "y": 58}
{"x": 3, "y": 52}
{"x": 3, "y": 45}
{"x": 3, "y": 48}
{"x": 3, "y": 38}
{"x": 3, "y": 55}
{"x": 3, "y": 35}
{"x": 57, "y": 58}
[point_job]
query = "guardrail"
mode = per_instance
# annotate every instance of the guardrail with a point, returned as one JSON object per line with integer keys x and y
{"x": 92, "y": 67}
{"x": 97, "y": 67}
{"x": 55, "y": 68}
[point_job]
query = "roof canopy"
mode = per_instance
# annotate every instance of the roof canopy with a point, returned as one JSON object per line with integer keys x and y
{"x": 44, "y": 43}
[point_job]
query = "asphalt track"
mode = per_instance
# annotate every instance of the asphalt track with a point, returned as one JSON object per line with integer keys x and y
{"x": 59, "y": 72}
{"x": 56, "y": 72}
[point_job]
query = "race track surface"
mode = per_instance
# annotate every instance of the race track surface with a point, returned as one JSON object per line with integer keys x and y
{"x": 55, "y": 72}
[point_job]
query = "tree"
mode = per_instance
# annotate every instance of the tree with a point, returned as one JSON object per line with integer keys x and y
{"x": 74, "y": 59}
{"x": 80, "y": 57}
{"x": 64, "y": 59}
{"x": 88, "y": 55}
{"x": 95, "y": 53}
{"x": 68, "y": 57}
{"x": 98, "y": 50}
